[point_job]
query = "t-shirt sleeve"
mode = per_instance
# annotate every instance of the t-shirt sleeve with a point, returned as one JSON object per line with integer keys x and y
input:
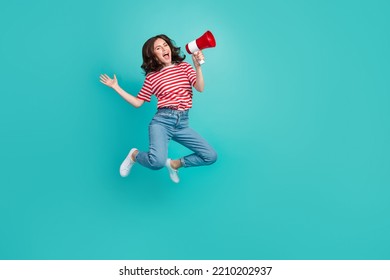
{"x": 191, "y": 74}
{"x": 146, "y": 91}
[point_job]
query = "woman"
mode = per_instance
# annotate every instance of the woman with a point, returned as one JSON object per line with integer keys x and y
{"x": 170, "y": 79}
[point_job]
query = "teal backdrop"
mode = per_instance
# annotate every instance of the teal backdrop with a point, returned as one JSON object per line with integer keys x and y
{"x": 296, "y": 104}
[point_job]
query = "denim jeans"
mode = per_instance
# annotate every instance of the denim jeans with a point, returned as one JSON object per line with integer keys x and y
{"x": 169, "y": 125}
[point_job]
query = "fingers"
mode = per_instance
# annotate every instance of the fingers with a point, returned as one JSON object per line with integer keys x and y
{"x": 199, "y": 55}
{"x": 105, "y": 79}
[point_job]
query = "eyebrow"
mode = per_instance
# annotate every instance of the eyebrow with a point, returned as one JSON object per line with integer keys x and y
{"x": 165, "y": 43}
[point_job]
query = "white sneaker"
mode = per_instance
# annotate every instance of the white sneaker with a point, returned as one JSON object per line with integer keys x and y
{"x": 173, "y": 173}
{"x": 127, "y": 164}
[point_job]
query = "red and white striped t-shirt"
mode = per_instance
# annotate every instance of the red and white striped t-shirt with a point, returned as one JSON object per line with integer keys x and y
{"x": 171, "y": 85}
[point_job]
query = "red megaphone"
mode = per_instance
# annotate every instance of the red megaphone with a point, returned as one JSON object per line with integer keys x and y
{"x": 205, "y": 41}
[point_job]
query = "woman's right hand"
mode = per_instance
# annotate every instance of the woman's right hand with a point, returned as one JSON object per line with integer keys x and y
{"x": 104, "y": 79}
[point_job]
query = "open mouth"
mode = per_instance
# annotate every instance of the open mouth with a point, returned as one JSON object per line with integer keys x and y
{"x": 166, "y": 56}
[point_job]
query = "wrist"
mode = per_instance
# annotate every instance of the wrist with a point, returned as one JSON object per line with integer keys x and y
{"x": 116, "y": 87}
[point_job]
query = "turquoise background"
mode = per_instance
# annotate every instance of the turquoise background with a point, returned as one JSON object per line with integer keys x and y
{"x": 296, "y": 104}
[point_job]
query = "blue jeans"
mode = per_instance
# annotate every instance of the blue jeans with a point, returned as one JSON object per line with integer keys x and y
{"x": 170, "y": 124}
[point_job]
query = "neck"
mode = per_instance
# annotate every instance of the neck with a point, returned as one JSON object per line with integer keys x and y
{"x": 167, "y": 65}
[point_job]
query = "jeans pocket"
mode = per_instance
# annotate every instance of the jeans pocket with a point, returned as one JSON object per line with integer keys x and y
{"x": 184, "y": 121}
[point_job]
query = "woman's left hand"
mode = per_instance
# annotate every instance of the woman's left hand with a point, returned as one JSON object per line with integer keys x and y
{"x": 196, "y": 57}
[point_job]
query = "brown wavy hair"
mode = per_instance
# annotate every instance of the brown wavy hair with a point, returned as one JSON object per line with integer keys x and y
{"x": 150, "y": 61}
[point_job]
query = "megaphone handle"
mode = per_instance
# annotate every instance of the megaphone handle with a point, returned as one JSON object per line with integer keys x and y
{"x": 201, "y": 62}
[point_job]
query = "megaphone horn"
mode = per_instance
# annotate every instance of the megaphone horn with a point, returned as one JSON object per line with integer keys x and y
{"x": 205, "y": 41}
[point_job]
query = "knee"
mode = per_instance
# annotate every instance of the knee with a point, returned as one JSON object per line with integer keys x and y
{"x": 156, "y": 163}
{"x": 211, "y": 157}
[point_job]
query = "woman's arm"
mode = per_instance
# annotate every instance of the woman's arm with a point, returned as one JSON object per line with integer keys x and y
{"x": 113, "y": 83}
{"x": 199, "y": 85}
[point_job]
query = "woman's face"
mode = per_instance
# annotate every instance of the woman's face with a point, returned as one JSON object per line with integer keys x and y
{"x": 163, "y": 52}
